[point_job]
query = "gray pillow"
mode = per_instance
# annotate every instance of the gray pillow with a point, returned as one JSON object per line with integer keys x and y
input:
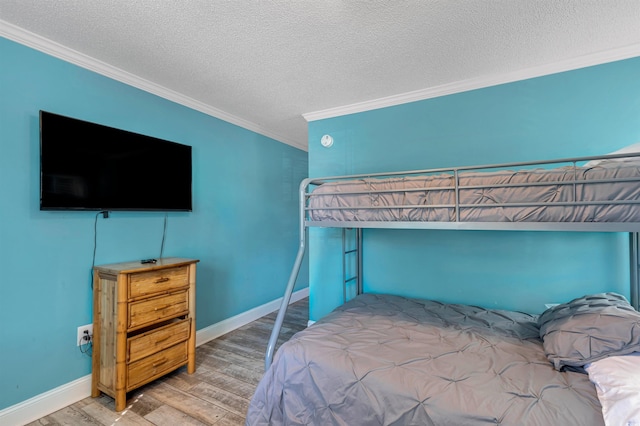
{"x": 588, "y": 329}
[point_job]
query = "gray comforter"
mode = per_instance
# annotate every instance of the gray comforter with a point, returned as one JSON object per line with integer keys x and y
{"x": 388, "y": 360}
{"x": 483, "y": 196}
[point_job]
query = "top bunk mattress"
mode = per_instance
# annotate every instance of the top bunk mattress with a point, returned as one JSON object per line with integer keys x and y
{"x": 606, "y": 192}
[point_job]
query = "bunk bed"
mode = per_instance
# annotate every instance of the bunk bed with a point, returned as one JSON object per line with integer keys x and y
{"x": 386, "y": 359}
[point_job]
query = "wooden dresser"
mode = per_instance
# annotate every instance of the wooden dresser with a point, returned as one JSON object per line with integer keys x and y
{"x": 143, "y": 324}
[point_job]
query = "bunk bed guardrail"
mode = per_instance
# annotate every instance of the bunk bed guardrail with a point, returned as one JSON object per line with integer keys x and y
{"x": 573, "y": 178}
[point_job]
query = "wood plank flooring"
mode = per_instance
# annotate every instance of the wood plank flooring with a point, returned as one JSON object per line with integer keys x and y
{"x": 218, "y": 393}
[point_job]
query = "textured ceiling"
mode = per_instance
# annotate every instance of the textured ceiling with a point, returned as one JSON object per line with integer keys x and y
{"x": 267, "y": 63}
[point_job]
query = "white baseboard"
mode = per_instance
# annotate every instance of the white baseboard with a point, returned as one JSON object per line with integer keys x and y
{"x": 72, "y": 392}
{"x": 216, "y": 330}
{"x": 46, "y": 403}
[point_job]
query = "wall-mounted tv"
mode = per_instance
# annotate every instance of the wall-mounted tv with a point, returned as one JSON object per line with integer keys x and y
{"x": 88, "y": 166}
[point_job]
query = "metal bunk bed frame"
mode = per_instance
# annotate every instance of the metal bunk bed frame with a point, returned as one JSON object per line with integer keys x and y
{"x": 633, "y": 228}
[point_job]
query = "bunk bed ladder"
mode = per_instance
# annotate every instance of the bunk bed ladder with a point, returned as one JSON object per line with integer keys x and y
{"x": 350, "y": 249}
{"x": 634, "y": 253}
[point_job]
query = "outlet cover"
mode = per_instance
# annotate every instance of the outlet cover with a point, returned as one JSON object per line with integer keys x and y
{"x": 81, "y": 329}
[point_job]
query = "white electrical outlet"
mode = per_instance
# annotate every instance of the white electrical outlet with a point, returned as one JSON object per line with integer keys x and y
{"x": 81, "y": 338}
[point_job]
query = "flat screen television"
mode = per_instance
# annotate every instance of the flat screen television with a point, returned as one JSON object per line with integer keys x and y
{"x": 88, "y": 166}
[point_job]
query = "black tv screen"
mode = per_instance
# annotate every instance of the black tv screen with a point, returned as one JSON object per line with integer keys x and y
{"x": 88, "y": 166}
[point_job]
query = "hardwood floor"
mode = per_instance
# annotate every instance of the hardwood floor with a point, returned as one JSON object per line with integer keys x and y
{"x": 218, "y": 393}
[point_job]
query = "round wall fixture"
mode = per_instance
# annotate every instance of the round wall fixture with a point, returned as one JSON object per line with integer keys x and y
{"x": 326, "y": 141}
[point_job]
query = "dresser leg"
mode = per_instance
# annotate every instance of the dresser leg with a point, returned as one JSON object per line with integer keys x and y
{"x": 191, "y": 365}
{"x": 95, "y": 373}
{"x": 94, "y": 391}
{"x": 121, "y": 400}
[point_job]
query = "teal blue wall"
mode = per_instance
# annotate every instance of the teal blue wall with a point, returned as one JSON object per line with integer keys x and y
{"x": 590, "y": 111}
{"x": 246, "y": 239}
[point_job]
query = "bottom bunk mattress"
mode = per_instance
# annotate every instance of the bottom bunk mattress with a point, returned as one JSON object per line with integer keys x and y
{"x": 389, "y": 360}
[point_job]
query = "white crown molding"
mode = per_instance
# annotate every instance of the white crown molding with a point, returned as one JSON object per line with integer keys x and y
{"x": 72, "y": 392}
{"x": 27, "y": 38}
{"x": 612, "y": 55}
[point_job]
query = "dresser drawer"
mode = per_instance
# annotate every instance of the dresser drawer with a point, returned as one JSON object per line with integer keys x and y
{"x": 157, "y": 309}
{"x": 159, "y": 281}
{"x": 158, "y": 339}
{"x": 156, "y": 365}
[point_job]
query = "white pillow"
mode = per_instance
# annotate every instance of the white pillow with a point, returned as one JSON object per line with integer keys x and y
{"x": 617, "y": 381}
{"x": 631, "y": 149}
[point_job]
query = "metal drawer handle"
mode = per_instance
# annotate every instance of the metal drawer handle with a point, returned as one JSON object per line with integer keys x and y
{"x": 162, "y": 280}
